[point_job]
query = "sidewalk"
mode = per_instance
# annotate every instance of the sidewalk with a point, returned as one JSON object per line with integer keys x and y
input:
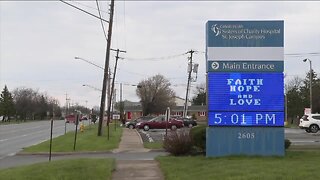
{"x": 135, "y": 169}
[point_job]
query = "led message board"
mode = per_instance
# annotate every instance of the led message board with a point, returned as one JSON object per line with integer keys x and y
{"x": 245, "y": 118}
{"x": 245, "y": 92}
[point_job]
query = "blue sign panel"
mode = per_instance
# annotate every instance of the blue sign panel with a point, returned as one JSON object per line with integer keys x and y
{"x": 245, "y": 66}
{"x": 224, "y": 118}
{"x": 245, "y": 33}
{"x": 224, "y": 141}
{"x": 245, "y": 92}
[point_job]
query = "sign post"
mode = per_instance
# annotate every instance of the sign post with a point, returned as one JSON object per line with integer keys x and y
{"x": 245, "y": 85}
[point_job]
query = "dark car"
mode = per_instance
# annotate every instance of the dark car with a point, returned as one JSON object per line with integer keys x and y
{"x": 132, "y": 124}
{"x": 187, "y": 122}
{"x": 159, "y": 122}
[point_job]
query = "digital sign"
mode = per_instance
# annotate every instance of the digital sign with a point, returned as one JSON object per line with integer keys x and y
{"x": 245, "y": 87}
{"x": 245, "y": 118}
{"x": 245, "y": 92}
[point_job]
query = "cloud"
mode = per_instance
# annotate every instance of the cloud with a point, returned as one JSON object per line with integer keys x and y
{"x": 39, "y": 40}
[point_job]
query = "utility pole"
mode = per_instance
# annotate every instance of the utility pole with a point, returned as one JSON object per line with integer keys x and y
{"x": 106, "y": 68}
{"x": 86, "y": 107}
{"x": 65, "y": 123}
{"x": 121, "y": 104}
{"x": 185, "y": 108}
{"x": 114, "y": 98}
{"x": 112, "y": 88}
{"x": 108, "y": 94}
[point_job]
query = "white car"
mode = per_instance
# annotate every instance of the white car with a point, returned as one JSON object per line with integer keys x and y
{"x": 310, "y": 122}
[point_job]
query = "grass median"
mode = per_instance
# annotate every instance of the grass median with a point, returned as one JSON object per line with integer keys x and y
{"x": 295, "y": 165}
{"x": 86, "y": 141}
{"x": 63, "y": 169}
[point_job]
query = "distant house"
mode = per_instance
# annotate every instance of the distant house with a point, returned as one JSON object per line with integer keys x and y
{"x": 180, "y": 101}
{"x": 134, "y": 110}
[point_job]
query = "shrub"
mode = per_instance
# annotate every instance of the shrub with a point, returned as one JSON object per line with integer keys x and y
{"x": 287, "y": 143}
{"x": 198, "y": 136}
{"x": 178, "y": 142}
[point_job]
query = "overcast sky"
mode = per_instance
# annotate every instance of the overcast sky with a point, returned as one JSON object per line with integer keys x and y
{"x": 39, "y": 40}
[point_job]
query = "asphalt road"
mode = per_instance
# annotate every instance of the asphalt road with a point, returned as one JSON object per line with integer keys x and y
{"x": 14, "y": 137}
{"x": 301, "y": 137}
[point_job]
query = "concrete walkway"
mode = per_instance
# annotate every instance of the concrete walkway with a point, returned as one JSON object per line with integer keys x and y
{"x": 135, "y": 169}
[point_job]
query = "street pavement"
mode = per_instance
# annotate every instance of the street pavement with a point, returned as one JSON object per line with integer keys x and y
{"x": 14, "y": 137}
{"x": 300, "y": 137}
{"x": 135, "y": 169}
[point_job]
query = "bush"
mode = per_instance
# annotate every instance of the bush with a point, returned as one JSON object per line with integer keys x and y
{"x": 198, "y": 136}
{"x": 287, "y": 143}
{"x": 178, "y": 142}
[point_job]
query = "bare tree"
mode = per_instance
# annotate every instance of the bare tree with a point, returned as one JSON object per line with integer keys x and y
{"x": 30, "y": 104}
{"x": 155, "y": 94}
{"x": 294, "y": 83}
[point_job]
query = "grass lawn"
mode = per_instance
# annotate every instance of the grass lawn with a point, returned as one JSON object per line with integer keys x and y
{"x": 295, "y": 165}
{"x": 153, "y": 145}
{"x": 86, "y": 141}
{"x": 80, "y": 169}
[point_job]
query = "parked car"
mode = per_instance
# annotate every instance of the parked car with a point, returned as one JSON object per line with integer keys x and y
{"x": 187, "y": 122}
{"x": 310, "y": 122}
{"x": 83, "y": 118}
{"x": 70, "y": 118}
{"x": 132, "y": 124}
{"x": 159, "y": 122}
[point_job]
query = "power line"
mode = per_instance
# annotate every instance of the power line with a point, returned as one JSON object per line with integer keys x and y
{"x": 155, "y": 59}
{"x": 124, "y": 24}
{"x": 104, "y": 32}
{"x": 88, "y": 6}
{"x": 84, "y": 11}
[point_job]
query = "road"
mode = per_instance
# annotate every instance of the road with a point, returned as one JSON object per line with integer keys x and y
{"x": 295, "y": 135}
{"x": 301, "y": 137}
{"x": 14, "y": 137}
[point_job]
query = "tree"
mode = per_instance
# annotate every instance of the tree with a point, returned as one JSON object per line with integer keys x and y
{"x": 155, "y": 95}
{"x": 30, "y": 104}
{"x": 294, "y": 101}
{"x": 200, "y": 95}
{"x": 305, "y": 91}
{"x": 6, "y": 104}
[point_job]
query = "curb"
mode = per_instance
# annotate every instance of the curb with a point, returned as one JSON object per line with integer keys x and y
{"x": 63, "y": 153}
{"x": 139, "y": 135}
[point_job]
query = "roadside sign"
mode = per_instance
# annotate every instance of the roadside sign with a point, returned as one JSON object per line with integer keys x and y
{"x": 245, "y": 87}
{"x": 307, "y": 110}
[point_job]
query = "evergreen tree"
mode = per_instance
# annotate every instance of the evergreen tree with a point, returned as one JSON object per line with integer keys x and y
{"x": 200, "y": 95}
{"x": 7, "y": 108}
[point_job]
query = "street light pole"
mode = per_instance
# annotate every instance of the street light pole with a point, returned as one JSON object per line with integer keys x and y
{"x": 310, "y": 81}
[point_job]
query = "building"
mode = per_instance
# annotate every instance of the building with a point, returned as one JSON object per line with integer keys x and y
{"x": 134, "y": 110}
